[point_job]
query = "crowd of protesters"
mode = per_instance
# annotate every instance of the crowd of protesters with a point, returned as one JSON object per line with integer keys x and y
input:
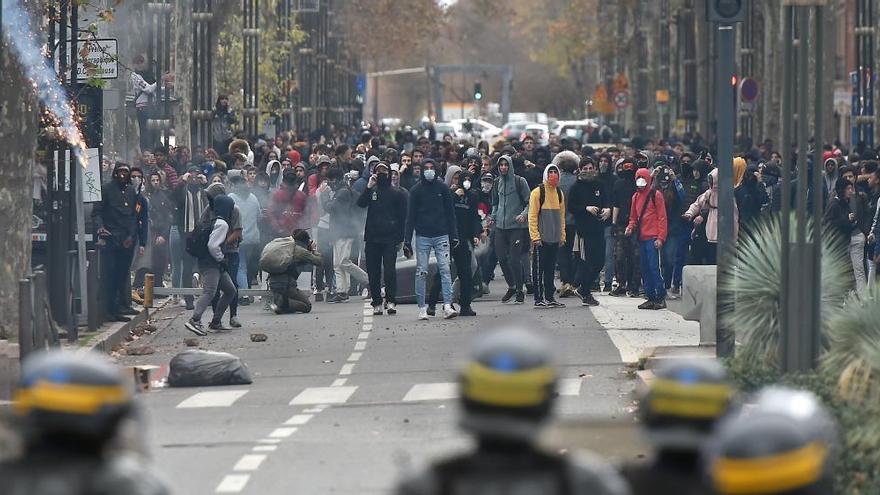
{"x": 621, "y": 218}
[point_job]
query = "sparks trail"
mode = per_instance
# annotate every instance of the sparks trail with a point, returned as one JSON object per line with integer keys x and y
{"x": 23, "y": 41}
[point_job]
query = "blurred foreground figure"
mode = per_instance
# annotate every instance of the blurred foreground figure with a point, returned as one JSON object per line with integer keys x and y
{"x": 678, "y": 412}
{"x": 507, "y": 394}
{"x": 71, "y": 407}
{"x": 785, "y": 445}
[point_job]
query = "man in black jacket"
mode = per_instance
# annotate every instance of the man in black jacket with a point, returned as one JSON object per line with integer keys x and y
{"x": 116, "y": 224}
{"x": 383, "y": 235}
{"x": 590, "y": 203}
{"x": 431, "y": 215}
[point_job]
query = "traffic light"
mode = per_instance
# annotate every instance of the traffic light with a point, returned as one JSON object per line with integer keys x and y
{"x": 726, "y": 11}
{"x": 734, "y": 85}
{"x": 478, "y": 91}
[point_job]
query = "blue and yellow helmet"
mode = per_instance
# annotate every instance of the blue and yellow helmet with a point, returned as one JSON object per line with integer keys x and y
{"x": 508, "y": 386}
{"x": 71, "y": 393}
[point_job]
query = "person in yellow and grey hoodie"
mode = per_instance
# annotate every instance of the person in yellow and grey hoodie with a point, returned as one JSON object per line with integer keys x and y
{"x": 547, "y": 231}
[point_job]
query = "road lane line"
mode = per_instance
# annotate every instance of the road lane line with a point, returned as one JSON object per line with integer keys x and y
{"x": 282, "y": 432}
{"x": 269, "y": 440}
{"x": 355, "y": 356}
{"x": 299, "y": 420}
{"x": 368, "y": 312}
{"x": 346, "y": 369}
{"x": 570, "y": 386}
{"x": 360, "y": 345}
{"x": 265, "y": 448}
{"x": 339, "y": 382}
{"x": 367, "y": 327}
{"x": 233, "y": 483}
{"x": 363, "y": 335}
{"x": 249, "y": 462}
{"x": 368, "y": 319}
{"x": 223, "y": 398}
{"x": 323, "y": 395}
{"x": 431, "y": 391}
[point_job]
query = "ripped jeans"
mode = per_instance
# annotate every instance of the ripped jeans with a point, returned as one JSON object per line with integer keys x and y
{"x": 440, "y": 245}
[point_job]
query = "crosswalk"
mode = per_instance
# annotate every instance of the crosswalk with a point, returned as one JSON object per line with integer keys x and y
{"x": 419, "y": 392}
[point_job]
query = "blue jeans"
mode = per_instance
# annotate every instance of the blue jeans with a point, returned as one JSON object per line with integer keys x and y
{"x": 440, "y": 245}
{"x": 609, "y": 255}
{"x": 649, "y": 258}
{"x": 669, "y": 257}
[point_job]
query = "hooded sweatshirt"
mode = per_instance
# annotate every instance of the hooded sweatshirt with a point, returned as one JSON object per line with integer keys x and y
{"x": 274, "y": 181}
{"x": 547, "y": 221}
{"x": 509, "y": 200}
{"x": 222, "y": 206}
{"x": 709, "y": 201}
{"x": 430, "y": 212}
{"x": 653, "y": 223}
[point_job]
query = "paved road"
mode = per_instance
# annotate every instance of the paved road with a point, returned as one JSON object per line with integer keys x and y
{"x": 344, "y": 402}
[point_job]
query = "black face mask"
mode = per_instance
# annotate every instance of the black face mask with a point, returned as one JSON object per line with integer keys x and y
{"x": 588, "y": 175}
{"x": 383, "y": 179}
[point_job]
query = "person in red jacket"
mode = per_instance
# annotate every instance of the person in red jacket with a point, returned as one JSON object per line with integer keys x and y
{"x": 647, "y": 221}
{"x": 287, "y": 206}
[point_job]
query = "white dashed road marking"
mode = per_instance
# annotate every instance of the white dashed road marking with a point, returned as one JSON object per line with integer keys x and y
{"x": 354, "y": 356}
{"x": 233, "y": 483}
{"x": 323, "y": 395}
{"x": 265, "y": 448}
{"x": 249, "y": 462}
{"x": 360, "y": 345}
{"x": 299, "y": 420}
{"x": 570, "y": 386}
{"x": 363, "y": 335}
{"x": 431, "y": 391}
{"x": 339, "y": 382}
{"x": 282, "y": 432}
{"x": 346, "y": 369}
{"x": 223, "y": 398}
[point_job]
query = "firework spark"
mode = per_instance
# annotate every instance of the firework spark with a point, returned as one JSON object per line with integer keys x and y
{"x": 24, "y": 43}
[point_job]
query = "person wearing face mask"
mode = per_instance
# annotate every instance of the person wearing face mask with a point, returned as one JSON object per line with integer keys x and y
{"x": 161, "y": 220}
{"x": 116, "y": 226}
{"x": 431, "y": 216}
{"x": 190, "y": 201}
{"x": 510, "y": 209}
{"x": 608, "y": 178}
{"x": 589, "y": 204}
{"x": 287, "y": 205}
{"x": 383, "y": 236}
{"x": 648, "y": 225}
{"x": 547, "y": 233}
{"x": 568, "y": 162}
{"x": 273, "y": 170}
{"x": 625, "y": 254}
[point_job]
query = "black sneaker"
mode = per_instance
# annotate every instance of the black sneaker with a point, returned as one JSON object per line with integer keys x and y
{"x": 195, "y": 327}
{"x": 520, "y": 297}
{"x": 618, "y": 292}
{"x": 607, "y": 288}
{"x": 216, "y": 325}
{"x": 319, "y": 297}
{"x": 530, "y": 289}
{"x": 539, "y": 304}
{"x": 661, "y": 304}
{"x": 508, "y": 295}
{"x": 432, "y": 310}
{"x": 553, "y": 303}
{"x": 467, "y": 311}
{"x": 189, "y": 305}
{"x": 647, "y": 305}
{"x": 634, "y": 295}
{"x": 589, "y": 300}
{"x": 391, "y": 308}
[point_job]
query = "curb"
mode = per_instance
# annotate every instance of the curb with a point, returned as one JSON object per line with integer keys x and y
{"x": 108, "y": 339}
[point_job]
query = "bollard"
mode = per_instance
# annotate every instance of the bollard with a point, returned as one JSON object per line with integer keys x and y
{"x": 92, "y": 284}
{"x": 25, "y": 317}
{"x": 40, "y": 305}
{"x": 148, "y": 290}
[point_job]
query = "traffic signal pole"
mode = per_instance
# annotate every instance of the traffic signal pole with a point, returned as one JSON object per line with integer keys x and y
{"x": 726, "y": 37}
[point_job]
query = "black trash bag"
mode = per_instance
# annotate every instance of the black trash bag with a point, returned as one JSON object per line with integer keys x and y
{"x": 197, "y": 368}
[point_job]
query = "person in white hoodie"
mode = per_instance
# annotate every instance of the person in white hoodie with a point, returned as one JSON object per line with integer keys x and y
{"x": 213, "y": 266}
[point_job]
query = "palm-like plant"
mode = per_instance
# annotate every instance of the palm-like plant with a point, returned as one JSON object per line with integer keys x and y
{"x": 756, "y": 282}
{"x": 854, "y": 348}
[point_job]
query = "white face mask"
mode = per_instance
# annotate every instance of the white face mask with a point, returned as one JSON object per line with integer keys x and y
{"x": 486, "y": 187}
{"x": 641, "y": 182}
{"x": 429, "y": 175}
{"x": 467, "y": 185}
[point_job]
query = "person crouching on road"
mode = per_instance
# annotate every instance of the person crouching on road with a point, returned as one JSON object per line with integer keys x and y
{"x": 431, "y": 215}
{"x": 383, "y": 235}
{"x": 213, "y": 266}
{"x": 647, "y": 222}
{"x": 547, "y": 231}
{"x": 298, "y": 251}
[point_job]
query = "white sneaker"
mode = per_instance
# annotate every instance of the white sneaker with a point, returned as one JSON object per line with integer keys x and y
{"x": 423, "y": 313}
{"x": 449, "y": 312}
{"x": 377, "y": 310}
{"x": 392, "y": 308}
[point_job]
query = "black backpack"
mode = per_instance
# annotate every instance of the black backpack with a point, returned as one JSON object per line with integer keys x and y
{"x": 544, "y": 195}
{"x": 197, "y": 241}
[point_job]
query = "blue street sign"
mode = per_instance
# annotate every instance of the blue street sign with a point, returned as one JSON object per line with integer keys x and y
{"x": 361, "y": 83}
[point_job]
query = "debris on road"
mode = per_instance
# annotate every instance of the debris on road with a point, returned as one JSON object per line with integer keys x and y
{"x": 259, "y": 337}
{"x": 191, "y": 342}
{"x": 197, "y": 368}
{"x": 140, "y": 351}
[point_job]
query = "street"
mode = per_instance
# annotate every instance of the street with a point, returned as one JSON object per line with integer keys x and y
{"x": 344, "y": 402}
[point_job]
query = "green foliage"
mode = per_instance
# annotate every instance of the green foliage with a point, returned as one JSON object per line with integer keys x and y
{"x": 854, "y": 348}
{"x": 756, "y": 281}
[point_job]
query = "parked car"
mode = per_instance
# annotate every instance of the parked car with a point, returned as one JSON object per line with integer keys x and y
{"x": 443, "y": 129}
{"x": 540, "y": 132}
{"x": 514, "y": 129}
{"x": 480, "y": 129}
{"x": 577, "y": 129}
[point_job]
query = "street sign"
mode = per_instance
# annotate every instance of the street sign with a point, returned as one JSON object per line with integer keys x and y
{"x": 361, "y": 83}
{"x": 748, "y": 90}
{"x": 621, "y": 83}
{"x": 662, "y": 96}
{"x": 601, "y": 94}
{"x": 621, "y": 99}
{"x": 96, "y": 59}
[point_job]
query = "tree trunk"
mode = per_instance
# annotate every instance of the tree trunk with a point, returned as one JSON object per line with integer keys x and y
{"x": 18, "y": 139}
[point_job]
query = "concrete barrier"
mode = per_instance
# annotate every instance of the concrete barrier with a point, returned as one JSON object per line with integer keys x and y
{"x": 698, "y": 297}
{"x": 9, "y": 369}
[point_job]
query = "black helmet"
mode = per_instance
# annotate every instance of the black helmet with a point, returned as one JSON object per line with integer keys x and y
{"x": 683, "y": 403}
{"x": 784, "y": 444}
{"x": 71, "y": 394}
{"x": 508, "y": 386}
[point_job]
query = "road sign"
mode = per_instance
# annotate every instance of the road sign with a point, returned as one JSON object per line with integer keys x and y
{"x": 662, "y": 96}
{"x": 621, "y": 83}
{"x": 748, "y": 90}
{"x": 621, "y": 99}
{"x": 361, "y": 83}
{"x": 98, "y": 59}
{"x": 601, "y": 94}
